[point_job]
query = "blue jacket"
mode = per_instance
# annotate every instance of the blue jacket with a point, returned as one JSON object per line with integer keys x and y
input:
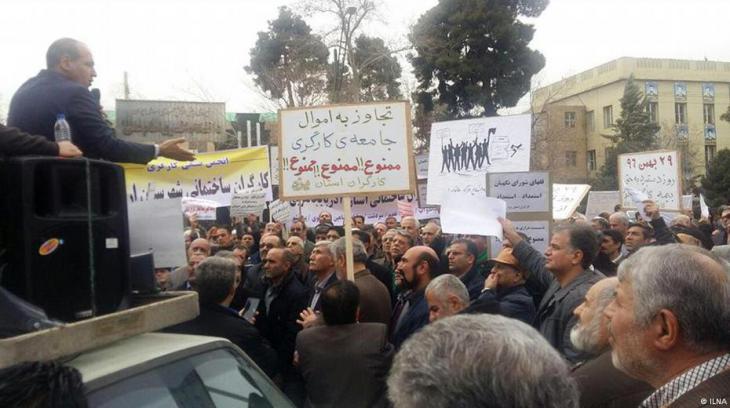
{"x": 515, "y": 302}
{"x": 415, "y": 317}
{"x": 35, "y": 105}
{"x": 474, "y": 282}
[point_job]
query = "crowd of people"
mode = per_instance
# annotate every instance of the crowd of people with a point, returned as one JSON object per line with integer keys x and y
{"x": 614, "y": 313}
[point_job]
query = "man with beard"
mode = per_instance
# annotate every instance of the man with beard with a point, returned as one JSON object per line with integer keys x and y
{"x": 599, "y": 382}
{"x": 415, "y": 270}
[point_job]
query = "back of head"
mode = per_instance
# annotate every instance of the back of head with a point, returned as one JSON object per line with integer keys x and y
{"x": 63, "y": 46}
{"x": 339, "y": 303}
{"x": 214, "y": 278}
{"x": 480, "y": 361}
{"x": 41, "y": 384}
{"x": 339, "y": 249}
{"x": 691, "y": 282}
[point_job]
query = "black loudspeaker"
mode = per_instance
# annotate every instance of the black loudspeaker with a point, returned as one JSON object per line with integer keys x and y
{"x": 54, "y": 234}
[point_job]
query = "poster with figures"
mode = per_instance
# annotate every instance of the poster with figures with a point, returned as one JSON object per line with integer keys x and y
{"x": 346, "y": 150}
{"x": 656, "y": 174}
{"x": 463, "y": 151}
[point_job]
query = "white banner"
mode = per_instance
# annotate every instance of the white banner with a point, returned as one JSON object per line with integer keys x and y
{"x": 462, "y": 151}
{"x": 333, "y": 151}
{"x": 655, "y": 173}
{"x": 463, "y": 213}
{"x": 204, "y": 209}
{"x": 523, "y": 192}
{"x": 566, "y": 198}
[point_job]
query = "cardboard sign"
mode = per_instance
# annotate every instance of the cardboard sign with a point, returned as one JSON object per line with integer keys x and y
{"x": 523, "y": 192}
{"x": 566, "y": 198}
{"x": 655, "y": 173}
{"x": 601, "y": 201}
{"x": 246, "y": 202}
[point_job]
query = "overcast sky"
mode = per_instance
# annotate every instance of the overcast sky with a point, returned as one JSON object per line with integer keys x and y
{"x": 196, "y": 49}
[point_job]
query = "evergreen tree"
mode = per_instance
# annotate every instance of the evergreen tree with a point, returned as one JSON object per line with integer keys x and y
{"x": 289, "y": 62}
{"x": 473, "y": 55}
{"x": 379, "y": 70}
{"x": 716, "y": 181}
{"x": 634, "y": 132}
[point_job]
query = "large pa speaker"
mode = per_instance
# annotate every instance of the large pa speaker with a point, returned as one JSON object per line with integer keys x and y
{"x": 64, "y": 224}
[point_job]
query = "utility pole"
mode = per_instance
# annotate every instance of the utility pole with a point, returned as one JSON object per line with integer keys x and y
{"x": 126, "y": 85}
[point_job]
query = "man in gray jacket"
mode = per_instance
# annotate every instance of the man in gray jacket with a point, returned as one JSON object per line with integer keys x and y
{"x": 560, "y": 279}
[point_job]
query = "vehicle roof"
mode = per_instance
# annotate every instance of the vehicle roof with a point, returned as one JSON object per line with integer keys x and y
{"x": 133, "y": 351}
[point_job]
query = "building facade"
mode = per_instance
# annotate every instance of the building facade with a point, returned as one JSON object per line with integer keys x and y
{"x": 686, "y": 98}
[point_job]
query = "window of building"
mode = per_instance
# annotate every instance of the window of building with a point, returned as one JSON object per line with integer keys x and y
{"x": 710, "y": 151}
{"x": 591, "y": 160}
{"x": 680, "y": 113}
{"x": 590, "y": 122}
{"x": 652, "y": 108}
{"x": 569, "y": 119}
{"x": 607, "y": 153}
{"x": 709, "y": 113}
{"x": 607, "y": 116}
{"x": 571, "y": 158}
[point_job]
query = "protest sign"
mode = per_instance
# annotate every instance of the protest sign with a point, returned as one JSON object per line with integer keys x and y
{"x": 427, "y": 213}
{"x": 251, "y": 201}
{"x": 280, "y": 211}
{"x": 464, "y": 213}
{"x": 422, "y": 166}
{"x": 374, "y": 209}
{"x": 601, "y": 201}
{"x": 274, "y": 162}
{"x": 687, "y": 202}
{"x": 637, "y": 198}
{"x": 538, "y": 235}
{"x": 566, "y": 198}
{"x": 704, "y": 209}
{"x": 524, "y": 192}
{"x": 346, "y": 150}
{"x": 463, "y": 151}
{"x": 157, "y": 225}
{"x": 655, "y": 173}
{"x": 212, "y": 176}
{"x": 203, "y": 209}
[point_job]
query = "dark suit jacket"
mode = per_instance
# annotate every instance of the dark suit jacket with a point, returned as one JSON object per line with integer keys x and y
{"x": 602, "y": 385}
{"x": 474, "y": 282}
{"x": 219, "y": 321}
{"x": 345, "y": 366}
{"x": 279, "y": 324}
{"x": 35, "y": 105}
{"x": 514, "y": 302}
{"x": 415, "y": 317}
{"x": 714, "y": 390}
{"x": 313, "y": 282}
{"x": 374, "y": 298}
{"x": 13, "y": 142}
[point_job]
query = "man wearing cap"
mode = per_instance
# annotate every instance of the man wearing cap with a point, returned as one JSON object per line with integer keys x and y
{"x": 506, "y": 285}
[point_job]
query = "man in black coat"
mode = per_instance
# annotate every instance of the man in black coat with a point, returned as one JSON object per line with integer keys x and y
{"x": 14, "y": 142}
{"x": 215, "y": 284}
{"x": 64, "y": 88}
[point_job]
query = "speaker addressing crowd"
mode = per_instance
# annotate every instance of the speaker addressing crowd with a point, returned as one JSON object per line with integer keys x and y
{"x": 615, "y": 312}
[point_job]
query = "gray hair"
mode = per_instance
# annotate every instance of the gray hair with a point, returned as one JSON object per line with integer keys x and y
{"x": 359, "y": 254}
{"x": 480, "y": 361}
{"x": 214, "y": 278}
{"x": 225, "y": 254}
{"x": 621, "y": 216}
{"x": 586, "y": 337}
{"x": 691, "y": 282}
{"x": 60, "y": 48}
{"x": 410, "y": 217}
{"x": 406, "y": 234}
{"x": 448, "y": 284}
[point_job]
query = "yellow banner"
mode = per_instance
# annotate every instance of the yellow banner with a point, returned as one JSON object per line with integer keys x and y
{"x": 214, "y": 176}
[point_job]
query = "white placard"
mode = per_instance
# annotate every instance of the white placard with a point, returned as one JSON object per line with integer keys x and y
{"x": 655, "y": 173}
{"x": 601, "y": 201}
{"x": 463, "y": 213}
{"x": 204, "y": 209}
{"x": 280, "y": 211}
{"x": 422, "y": 195}
{"x": 251, "y": 201}
{"x": 463, "y": 151}
{"x": 350, "y": 150}
{"x": 427, "y": 213}
{"x": 566, "y": 198}
{"x": 637, "y": 199}
{"x": 157, "y": 225}
{"x": 523, "y": 192}
{"x": 704, "y": 209}
{"x": 687, "y": 202}
{"x": 538, "y": 235}
{"x": 374, "y": 209}
{"x": 422, "y": 166}
{"x": 274, "y": 162}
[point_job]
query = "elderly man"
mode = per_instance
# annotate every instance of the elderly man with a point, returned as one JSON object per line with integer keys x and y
{"x": 322, "y": 267}
{"x": 479, "y": 361}
{"x": 301, "y": 267}
{"x": 374, "y": 296}
{"x": 344, "y": 363}
{"x": 411, "y": 225}
{"x": 600, "y": 384}
{"x": 391, "y": 222}
{"x": 505, "y": 285}
{"x": 183, "y": 278}
{"x": 325, "y": 218}
{"x": 619, "y": 221}
{"x": 215, "y": 284}
{"x": 416, "y": 268}
{"x": 63, "y": 88}
{"x": 402, "y": 240}
{"x": 253, "y": 284}
{"x": 462, "y": 255}
{"x": 446, "y": 296}
{"x": 299, "y": 229}
{"x": 669, "y": 325}
{"x": 560, "y": 279}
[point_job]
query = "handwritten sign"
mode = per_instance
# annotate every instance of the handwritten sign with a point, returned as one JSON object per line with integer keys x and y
{"x": 212, "y": 176}
{"x": 462, "y": 151}
{"x": 204, "y": 209}
{"x": 566, "y": 198}
{"x": 523, "y": 192}
{"x": 655, "y": 173}
{"x": 346, "y": 150}
{"x": 422, "y": 166}
{"x": 538, "y": 235}
{"x": 159, "y": 120}
{"x": 251, "y": 201}
{"x": 280, "y": 211}
{"x": 601, "y": 201}
{"x": 374, "y": 209}
{"x": 463, "y": 213}
{"x": 427, "y": 213}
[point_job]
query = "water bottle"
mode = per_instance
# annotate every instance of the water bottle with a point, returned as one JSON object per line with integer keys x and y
{"x": 61, "y": 130}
